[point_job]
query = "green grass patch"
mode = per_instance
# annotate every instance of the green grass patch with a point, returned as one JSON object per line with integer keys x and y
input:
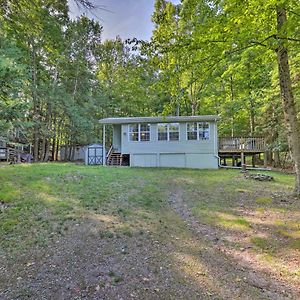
{"x": 260, "y": 242}
{"x": 268, "y": 258}
{"x": 46, "y": 200}
{"x": 234, "y": 223}
{"x": 104, "y": 234}
{"x": 43, "y": 197}
{"x": 295, "y": 244}
{"x": 263, "y": 200}
{"x": 9, "y": 192}
{"x": 8, "y": 225}
{"x": 222, "y": 217}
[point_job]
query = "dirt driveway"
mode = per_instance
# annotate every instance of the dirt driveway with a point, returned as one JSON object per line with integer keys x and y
{"x": 129, "y": 248}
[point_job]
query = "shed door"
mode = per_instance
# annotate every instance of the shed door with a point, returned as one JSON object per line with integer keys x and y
{"x": 95, "y": 156}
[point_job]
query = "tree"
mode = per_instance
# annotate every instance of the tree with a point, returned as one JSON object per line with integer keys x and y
{"x": 287, "y": 95}
{"x": 221, "y": 31}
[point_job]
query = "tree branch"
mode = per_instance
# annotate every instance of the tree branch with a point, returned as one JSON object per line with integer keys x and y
{"x": 289, "y": 39}
{"x": 294, "y": 13}
{"x": 85, "y": 3}
{"x": 275, "y": 36}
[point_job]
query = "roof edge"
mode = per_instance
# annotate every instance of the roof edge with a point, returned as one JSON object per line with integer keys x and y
{"x": 162, "y": 119}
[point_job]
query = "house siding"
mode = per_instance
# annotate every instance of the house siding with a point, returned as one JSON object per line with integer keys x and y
{"x": 155, "y": 146}
{"x": 143, "y": 160}
{"x": 183, "y": 153}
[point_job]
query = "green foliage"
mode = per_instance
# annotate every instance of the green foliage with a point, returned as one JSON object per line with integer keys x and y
{"x": 58, "y": 78}
{"x": 218, "y": 58}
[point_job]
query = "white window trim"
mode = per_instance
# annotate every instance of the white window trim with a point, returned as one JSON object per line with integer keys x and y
{"x": 198, "y": 138}
{"x": 139, "y": 133}
{"x": 168, "y": 132}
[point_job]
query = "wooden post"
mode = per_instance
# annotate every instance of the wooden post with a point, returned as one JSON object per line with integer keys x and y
{"x": 19, "y": 158}
{"x": 265, "y": 159}
{"x": 103, "y": 149}
{"x": 243, "y": 162}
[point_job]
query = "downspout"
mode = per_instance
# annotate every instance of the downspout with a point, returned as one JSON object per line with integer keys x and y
{"x": 216, "y": 150}
{"x": 103, "y": 149}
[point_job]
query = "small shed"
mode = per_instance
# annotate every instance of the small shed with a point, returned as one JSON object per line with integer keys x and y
{"x": 3, "y": 153}
{"x": 3, "y": 149}
{"x": 74, "y": 153}
{"x": 94, "y": 154}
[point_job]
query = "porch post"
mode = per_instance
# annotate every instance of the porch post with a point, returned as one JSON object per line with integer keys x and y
{"x": 266, "y": 159}
{"x": 243, "y": 163}
{"x": 103, "y": 145}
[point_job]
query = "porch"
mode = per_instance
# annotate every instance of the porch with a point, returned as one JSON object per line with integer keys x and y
{"x": 239, "y": 148}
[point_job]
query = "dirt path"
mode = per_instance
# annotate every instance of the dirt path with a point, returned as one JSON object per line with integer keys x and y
{"x": 241, "y": 277}
{"x": 174, "y": 257}
{"x": 92, "y": 260}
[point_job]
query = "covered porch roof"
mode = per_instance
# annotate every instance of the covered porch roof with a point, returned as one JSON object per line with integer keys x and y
{"x": 163, "y": 119}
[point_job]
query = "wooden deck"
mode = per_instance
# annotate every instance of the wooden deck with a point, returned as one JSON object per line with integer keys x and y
{"x": 236, "y": 145}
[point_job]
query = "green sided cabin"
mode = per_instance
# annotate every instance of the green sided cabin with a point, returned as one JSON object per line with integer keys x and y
{"x": 182, "y": 142}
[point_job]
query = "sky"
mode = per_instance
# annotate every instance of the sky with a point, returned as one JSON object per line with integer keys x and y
{"x": 124, "y": 18}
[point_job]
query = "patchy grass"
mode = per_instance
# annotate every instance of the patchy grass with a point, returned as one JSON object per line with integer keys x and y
{"x": 263, "y": 200}
{"x": 122, "y": 218}
{"x": 237, "y": 223}
{"x": 259, "y": 216}
{"x": 260, "y": 242}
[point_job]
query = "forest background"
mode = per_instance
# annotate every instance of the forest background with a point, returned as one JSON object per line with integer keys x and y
{"x": 238, "y": 59}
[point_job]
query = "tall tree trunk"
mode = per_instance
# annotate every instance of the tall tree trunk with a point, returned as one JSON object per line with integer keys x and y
{"x": 70, "y": 149}
{"x": 36, "y": 108}
{"x": 58, "y": 140}
{"x": 251, "y": 100}
{"x": 43, "y": 148}
{"x": 47, "y": 150}
{"x": 287, "y": 97}
{"x": 232, "y": 100}
{"x": 276, "y": 161}
{"x": 252, "y": 116}
{"x": 73, "y": 153}
{"x": 54, "y": 120}
{"x": 47, "y": 134}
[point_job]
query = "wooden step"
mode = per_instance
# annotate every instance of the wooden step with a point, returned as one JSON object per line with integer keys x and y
{"x": 115, "y": 159}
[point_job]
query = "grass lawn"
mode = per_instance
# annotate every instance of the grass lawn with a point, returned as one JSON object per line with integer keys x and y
{"x": 77, "y": 232}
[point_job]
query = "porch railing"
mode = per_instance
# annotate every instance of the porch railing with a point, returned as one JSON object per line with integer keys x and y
{"x": 242, "y": 144}
{"x": 109, "y": 152}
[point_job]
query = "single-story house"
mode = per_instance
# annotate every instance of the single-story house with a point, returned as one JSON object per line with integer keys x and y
{"x": 183, "y": 142}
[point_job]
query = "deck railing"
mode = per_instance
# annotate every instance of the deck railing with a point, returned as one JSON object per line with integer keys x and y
{"x": 242, "y": 144}
{"x": 109, "y": 152}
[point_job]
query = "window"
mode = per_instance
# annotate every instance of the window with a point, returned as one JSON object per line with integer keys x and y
{"x": 203, "y": 131}
{"x": 198, "y": 131}
{"x": 144, "y": 132}
{"x": 162, "y": 132}
{"x": 174, "y": 132}
{"x": 134, "y": 132}
{"x": 139, "y": 132}
{"x": 192, "y": 131}
{"x": 168, "y": 132}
